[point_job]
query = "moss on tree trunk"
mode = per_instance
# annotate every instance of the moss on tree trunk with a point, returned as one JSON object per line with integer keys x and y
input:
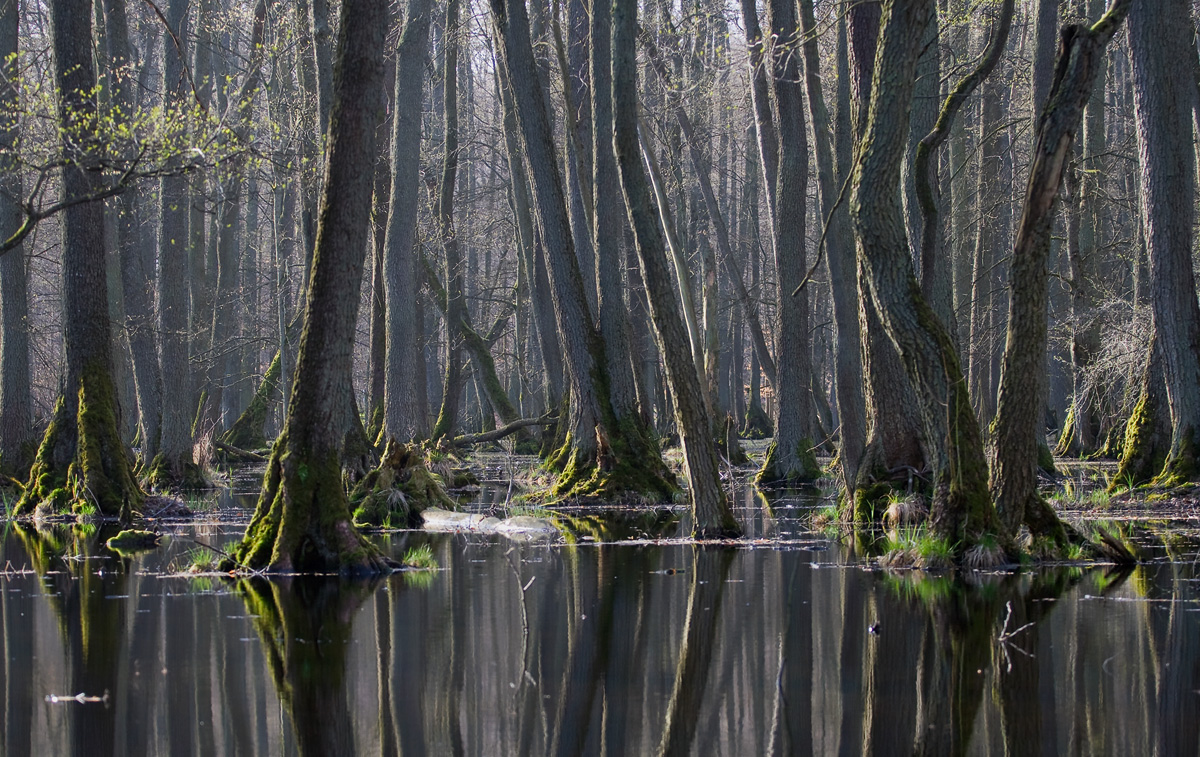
{"x": 82, "y": 465}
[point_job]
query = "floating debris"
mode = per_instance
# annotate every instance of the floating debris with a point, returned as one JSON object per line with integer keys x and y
{"x": 79, "y": 698}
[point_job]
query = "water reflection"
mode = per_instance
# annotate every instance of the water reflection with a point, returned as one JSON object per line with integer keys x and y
{"x": 530, "y": 648}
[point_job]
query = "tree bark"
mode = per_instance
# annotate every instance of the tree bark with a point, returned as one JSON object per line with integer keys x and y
{"x": 710, "y": 509}
{"x": 82, "y": 463}
{"x": 600, "y": 457}
{"x": 1164, "y": 95}
{"x": 961, "y": 509}
{"x": 174, "y": 465}
{"x": 16, "y": 399}
{"x": 302, "y": 521}
{"x": 1022, "y": 378}
{"x": 839, "y": 252}
{"x": 790, "y": 458}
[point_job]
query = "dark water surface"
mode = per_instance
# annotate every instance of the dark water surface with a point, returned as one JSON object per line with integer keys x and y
{"x": 536, "y": 648}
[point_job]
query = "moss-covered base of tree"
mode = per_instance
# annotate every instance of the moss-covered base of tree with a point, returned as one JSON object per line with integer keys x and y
{"x": 758, "y": 423}
{"x": 1181, "y": 466}
{"x": 801, "y": 468}
{"x": 180, "y": 475}
{"x": 302, "y": 523}
{"x": 1147, "y": 442}
{"x": 82, "y": 466}
{"x": 396, "y": 493}
{"x": 612, "y": 474}
{"x": 248, "y": 431}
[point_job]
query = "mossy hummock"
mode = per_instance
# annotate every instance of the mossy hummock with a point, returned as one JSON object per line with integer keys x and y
{"x": 398, "y": 491}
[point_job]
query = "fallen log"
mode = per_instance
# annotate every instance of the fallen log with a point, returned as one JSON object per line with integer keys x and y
{"x": 503, "y": 431}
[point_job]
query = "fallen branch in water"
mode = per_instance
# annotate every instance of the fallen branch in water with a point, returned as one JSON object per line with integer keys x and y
{"x": 503, "y": 431}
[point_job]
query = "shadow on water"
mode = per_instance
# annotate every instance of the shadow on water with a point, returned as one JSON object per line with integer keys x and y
{"x": 788, "y": 645}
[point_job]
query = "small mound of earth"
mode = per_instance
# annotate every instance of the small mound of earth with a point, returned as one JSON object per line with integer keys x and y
{"x": 159, "y": 506}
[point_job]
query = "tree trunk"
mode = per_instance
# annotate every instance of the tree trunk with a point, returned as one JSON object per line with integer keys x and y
{"x": 16, "y": 400}
{"x": 1164, "y": 95}
{"x": 1018, "y": 418}
{"x": 839, "y": 252}
{"x": 710, "y": 509}
{"x": 302, "y": 521}
{"x": 961, "y": 510}
{"x": 600, "y": 456}
{"x": 174, "y": 466}
{"x": 404, "y": 417}
{"x": 82, "y": 464}
{"x": 135, "y": 253}
{"x": 452, "y": 379}
{"x": 790, "y": 458}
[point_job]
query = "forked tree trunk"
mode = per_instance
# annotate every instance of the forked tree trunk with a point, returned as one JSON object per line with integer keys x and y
{"x": 82, "y": 464}
{"x": 1018, "y": 415}
{"x": 302, "y": 521}
{"x": 961, "y": 510}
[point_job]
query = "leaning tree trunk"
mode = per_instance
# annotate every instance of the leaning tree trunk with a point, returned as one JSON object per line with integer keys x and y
{"x": 1164, "y": 95}
{"x": 82, "y": 464}
{"x": 1022, "y": 377}
{"x": 302, "y": 521}
{"x": 600, "y": 456}
{"x": 16, "y": 398}
{"x": 961, "y": 509}
{"x": 712, "y": 516}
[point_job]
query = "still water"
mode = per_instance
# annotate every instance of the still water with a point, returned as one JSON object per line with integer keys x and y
{"x": 791, "y": 645}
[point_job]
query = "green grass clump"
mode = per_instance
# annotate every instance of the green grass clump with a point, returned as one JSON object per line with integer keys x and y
{"x": 131, "y": 541}
{"x": 420, "y": 558}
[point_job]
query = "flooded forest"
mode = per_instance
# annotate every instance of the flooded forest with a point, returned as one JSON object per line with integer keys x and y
{"x": 599, "y": 377}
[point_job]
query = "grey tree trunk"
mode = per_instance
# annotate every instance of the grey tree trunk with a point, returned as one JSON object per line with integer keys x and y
{"x": 839, "y": 251}
{"x": 16, "y": 401}
{"x": 404, "y": 418}
{"x": 135, "y": 252}
{"x": 599, "y": 457}
{"x": 175, "y": 447}
{"x": 452, "y": 379}
{"x": 790, "y": 458}
{"x": 1164, "y": 95}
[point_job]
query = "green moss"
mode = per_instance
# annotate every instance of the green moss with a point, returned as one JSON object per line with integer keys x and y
{"x": 394, "y": 494}
{"x": 1181, "y": 465}
{"x": 247, "y": 431}
{"x": 1045, "y": 458}
{"x": 758, "y": 423}
{"x": 97, "y": 474}
{"x": 130, "y": 540}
